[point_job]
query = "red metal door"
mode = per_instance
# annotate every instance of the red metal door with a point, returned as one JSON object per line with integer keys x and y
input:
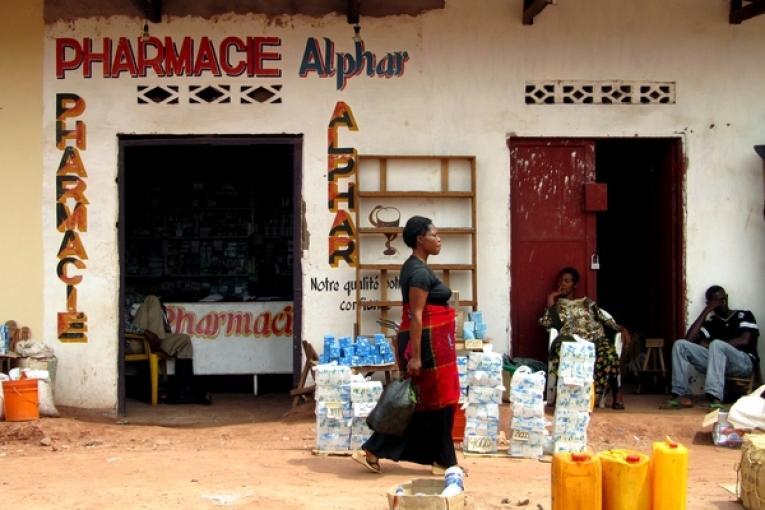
{"x": 550, "y": 230}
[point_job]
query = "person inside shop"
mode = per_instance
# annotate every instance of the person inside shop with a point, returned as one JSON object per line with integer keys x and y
{"x": 583, "y": 317}
{"x": 426, "y": 352}
{"x": 721, "y": 342}
{"x": 151, "y": 320}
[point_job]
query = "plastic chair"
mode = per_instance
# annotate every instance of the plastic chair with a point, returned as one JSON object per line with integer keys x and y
{"x": 552, "y": 380}
{"x": 154, "y": 359}
{"x": 618, "y": 346}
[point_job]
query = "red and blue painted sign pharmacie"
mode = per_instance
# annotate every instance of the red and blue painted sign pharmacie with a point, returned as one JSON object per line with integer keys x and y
{"x": 232, "y": 56}
{"x": 252, "y": 57}
{"x": 347, "y": 65}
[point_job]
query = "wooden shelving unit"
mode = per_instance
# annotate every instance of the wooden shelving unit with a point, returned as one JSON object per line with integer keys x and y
{"x": 448, "y": 183}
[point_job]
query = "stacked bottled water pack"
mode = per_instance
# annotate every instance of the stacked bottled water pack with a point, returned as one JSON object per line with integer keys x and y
{"x": 364, "y": 351}
{"x": 343, "y": 402}
{"x": 572, "y": 405}
{"x": 484, "y": 374}
{"x": 364, "y": 397}
{"x": 528, "y": 423}
{"x": 334, "y": 413}
{"x": 462, "y": 364}
{"x": 5, "y": 339}
{"x": 479, "y": 325}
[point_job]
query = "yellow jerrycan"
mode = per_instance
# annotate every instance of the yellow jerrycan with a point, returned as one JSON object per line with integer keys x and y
{"x": 576, "y": 482}
{"x": 626, "y": 480}
{"x": 669, "y": 475}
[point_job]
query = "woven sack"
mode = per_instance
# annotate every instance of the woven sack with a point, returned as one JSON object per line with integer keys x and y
{"x": 751, "y": 472}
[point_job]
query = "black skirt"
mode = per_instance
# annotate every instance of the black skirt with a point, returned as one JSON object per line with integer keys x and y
{"x": 427, "y": 440}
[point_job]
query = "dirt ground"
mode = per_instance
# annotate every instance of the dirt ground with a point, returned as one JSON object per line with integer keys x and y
{"x": 254, "y": 452}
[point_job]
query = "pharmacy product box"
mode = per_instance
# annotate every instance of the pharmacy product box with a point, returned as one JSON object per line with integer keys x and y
{"x": 423, "y": 494}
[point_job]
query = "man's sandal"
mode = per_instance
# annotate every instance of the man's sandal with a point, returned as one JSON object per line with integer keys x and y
{"x": 677, "y": 403}
{"x": 360, "y": 456}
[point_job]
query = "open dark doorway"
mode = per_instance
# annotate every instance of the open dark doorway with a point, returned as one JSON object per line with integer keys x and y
{"x": 639, "y": 240}
{"x": 212, "y": 221}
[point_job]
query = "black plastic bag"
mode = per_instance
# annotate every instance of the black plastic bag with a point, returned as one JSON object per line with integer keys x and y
{"x": 394, "y": 410}
{"x": 511, "y": 364}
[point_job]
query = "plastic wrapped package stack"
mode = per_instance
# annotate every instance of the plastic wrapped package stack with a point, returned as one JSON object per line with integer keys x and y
{"x": 364, "y": 397}
{"x": 484, "y": 374}
{"x": 572, "y": 405}
{"x": 479, "y": 326}
{"x": 462, "y": 363}
{"x": 334, "y": 413}
{"x": 5, "y": 340}
{"x": 528, "y": 423}
{"x": 364, "y": 351}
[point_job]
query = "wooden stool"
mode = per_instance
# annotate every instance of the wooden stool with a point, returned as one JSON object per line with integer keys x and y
{"x": 742, "y": 384}
{"x": 654, "y": 360}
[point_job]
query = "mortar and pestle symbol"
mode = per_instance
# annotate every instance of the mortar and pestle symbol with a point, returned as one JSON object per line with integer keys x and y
{"x": 386, "y": 216}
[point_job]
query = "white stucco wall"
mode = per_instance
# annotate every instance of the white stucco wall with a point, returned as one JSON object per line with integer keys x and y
{"x": 461, "y": 93}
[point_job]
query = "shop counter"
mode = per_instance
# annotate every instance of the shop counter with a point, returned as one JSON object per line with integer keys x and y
{"x": 237, "y": 337}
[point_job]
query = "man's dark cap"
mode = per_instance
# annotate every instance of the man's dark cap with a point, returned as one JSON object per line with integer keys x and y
{"x": 760, "y": 149}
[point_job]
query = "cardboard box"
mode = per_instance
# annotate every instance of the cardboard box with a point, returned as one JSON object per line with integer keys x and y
{"x": 424, "y": 494}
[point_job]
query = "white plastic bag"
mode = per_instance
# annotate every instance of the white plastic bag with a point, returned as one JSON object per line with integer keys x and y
{"x": 749, "y": 411}
{"x": 45, "y": 400}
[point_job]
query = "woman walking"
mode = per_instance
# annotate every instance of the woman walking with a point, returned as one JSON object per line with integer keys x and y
{"x": 426, "y": 353}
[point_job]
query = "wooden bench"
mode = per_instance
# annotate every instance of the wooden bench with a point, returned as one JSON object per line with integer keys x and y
{"x": 653, "y": 363}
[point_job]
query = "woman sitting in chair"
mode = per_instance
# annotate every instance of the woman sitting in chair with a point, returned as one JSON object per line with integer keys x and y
{"x": 582, "y": 317}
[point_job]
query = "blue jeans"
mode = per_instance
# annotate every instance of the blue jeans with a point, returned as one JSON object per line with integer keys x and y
{"x": 720, "y": 360}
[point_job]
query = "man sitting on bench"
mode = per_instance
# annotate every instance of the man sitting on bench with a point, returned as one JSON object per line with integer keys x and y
{"x": 721, "y": 342}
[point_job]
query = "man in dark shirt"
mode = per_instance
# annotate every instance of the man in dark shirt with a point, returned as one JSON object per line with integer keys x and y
{"x": 721, "y": 342}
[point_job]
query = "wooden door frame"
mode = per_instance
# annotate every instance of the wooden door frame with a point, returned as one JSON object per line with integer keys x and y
{"x": 677, "y": 169}
{"x": 677, "y": 226}
{"x": 296, "y": 141}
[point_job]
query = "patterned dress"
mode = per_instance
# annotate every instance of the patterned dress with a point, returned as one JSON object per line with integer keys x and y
{"x": 584, "y": 318}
